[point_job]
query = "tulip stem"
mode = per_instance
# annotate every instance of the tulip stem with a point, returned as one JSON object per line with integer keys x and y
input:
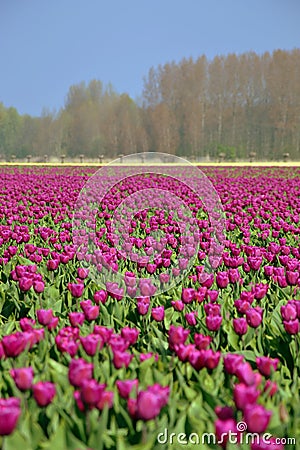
{"x": 144, "y": 434}
{"x": 1, "y": 443}
{"x": 297, "y": 349}
{"x": 88, "y": 424}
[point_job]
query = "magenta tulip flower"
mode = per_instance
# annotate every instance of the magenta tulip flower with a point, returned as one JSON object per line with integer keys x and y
{"x": 266, "y": 365}
{"x": 44, "y": 392}
{"x": 240, "y": 326}
{"x": 23, "y": 377}
{"x": 79, "y": 370}
{"x": 126, "y": 387}
{"x": 10, "y": 412}
{"x": 44, "y": 316}
{"x": 158, "y": 313}
{"x": 257, "y": 418}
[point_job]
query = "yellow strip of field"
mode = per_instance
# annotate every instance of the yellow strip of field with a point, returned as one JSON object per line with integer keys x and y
{"x": 203, "y": 164}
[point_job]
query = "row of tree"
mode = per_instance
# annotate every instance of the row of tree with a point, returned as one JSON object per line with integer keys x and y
{"x": 235, "y": 104}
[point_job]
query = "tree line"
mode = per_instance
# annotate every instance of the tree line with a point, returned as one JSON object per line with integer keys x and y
{"x": 236, "y": 105}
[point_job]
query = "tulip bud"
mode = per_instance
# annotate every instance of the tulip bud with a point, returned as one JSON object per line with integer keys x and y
{"x": 23, "y": 377}
{"x": 244, "y": 395}
{"x": 9, "y": 415}
{"x": 91, "y": 392}
{"x": 266, "y": 365}
{"x": 43, "y": 392}
{"x": 79, "y": 370}
{"x": 257, "y": 418}
{"x": 76, "y": 318}
{"x": 44, "y": 316}
{"x": 240, "y": 326}
{"x": 126, "y": 387}
{"x": 121, "y": 359}
{"x": 158, "y": 313}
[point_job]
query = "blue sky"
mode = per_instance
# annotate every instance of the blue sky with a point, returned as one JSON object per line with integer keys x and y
{"x": 48, "y": 45}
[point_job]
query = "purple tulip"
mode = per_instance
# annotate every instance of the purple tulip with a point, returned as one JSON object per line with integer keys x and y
{"x": 130, "y": 334}
{"x": 27, "y": 323}
{"x": 212, "y": 294}
{"x": 91, "y": 343}
{"x": 222, "y": 430}
{"x": 117, "y": 342}
{"x": 104, "y": 332}
{"x": 106, "y": 399}
{"x": 197, "y": 359}
{"x": 254, "y": 316}
{"x": 177, "y": 335}
{"x": 288, "y": 311}
{"x": 222, "y": 280}
{"x": 212, "y": 359}
{"x": 121, "y": 359}
{"x": 245, "y": 374}
{"x": 254, "y": 262}
{"x": 44, "y": 392}
{"x": 191, "y": 318}
{"x": 52, "y": 264}
{"x": 23, "y": 377}
{"x": 158, "y": 313}
{"x": 247, "y": 296}
{"x": 44, "y": 316}
{"x": 25, "y": 284}
{"x": 91, "y": 392}
{"x": 224, "y": 412}
{"x": 148, "y": 405}
{"x": 268, "y": 270}
{"x": 292, "y": 326}
{"x": 234, "y": 275}
{"x": 151, "y": 268}
{"x": 76, "y": 318}
{"x": 245, "y": 395}
{"x": 79, "y": 370}
{"x": 187, "y": 295}
{"x": 126, "y": 387}
{"x": 53, "y": 324}
{"x": 212, "y": 309}
{"x": 242, "y": 306}
{"x": 143, "y": 305}
{"x": 260, "y": 290}
{"x": 10, "y": 412}
{"x": 82, "y": 273}
{"x": 202, "y": 342}
{"x": 100, "y": 296}
{"x": 240, "y": 326}
{"x": 213, "y": 323}
{"x": 257, "y": 418}
{"x": 146, "y": 288}
{"x": 266, "y": 365}
{"x": 38, "y": 286}
{"x": 183, "y": 351}
{"x": 178, "y": 305}
{"x": 14, "y": 344}
{"x": 76, "y": 289}
{"x": 271, "y": 387}
{"x": 292, "y": 278}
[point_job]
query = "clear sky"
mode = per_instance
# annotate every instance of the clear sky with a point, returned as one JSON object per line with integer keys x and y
{"x": 48, "y": 45}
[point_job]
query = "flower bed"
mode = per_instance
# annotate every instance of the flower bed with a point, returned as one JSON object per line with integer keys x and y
{"x": 89, "y": 366}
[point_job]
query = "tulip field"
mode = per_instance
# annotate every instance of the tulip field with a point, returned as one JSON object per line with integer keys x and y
{"x": 94, "y": 355}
